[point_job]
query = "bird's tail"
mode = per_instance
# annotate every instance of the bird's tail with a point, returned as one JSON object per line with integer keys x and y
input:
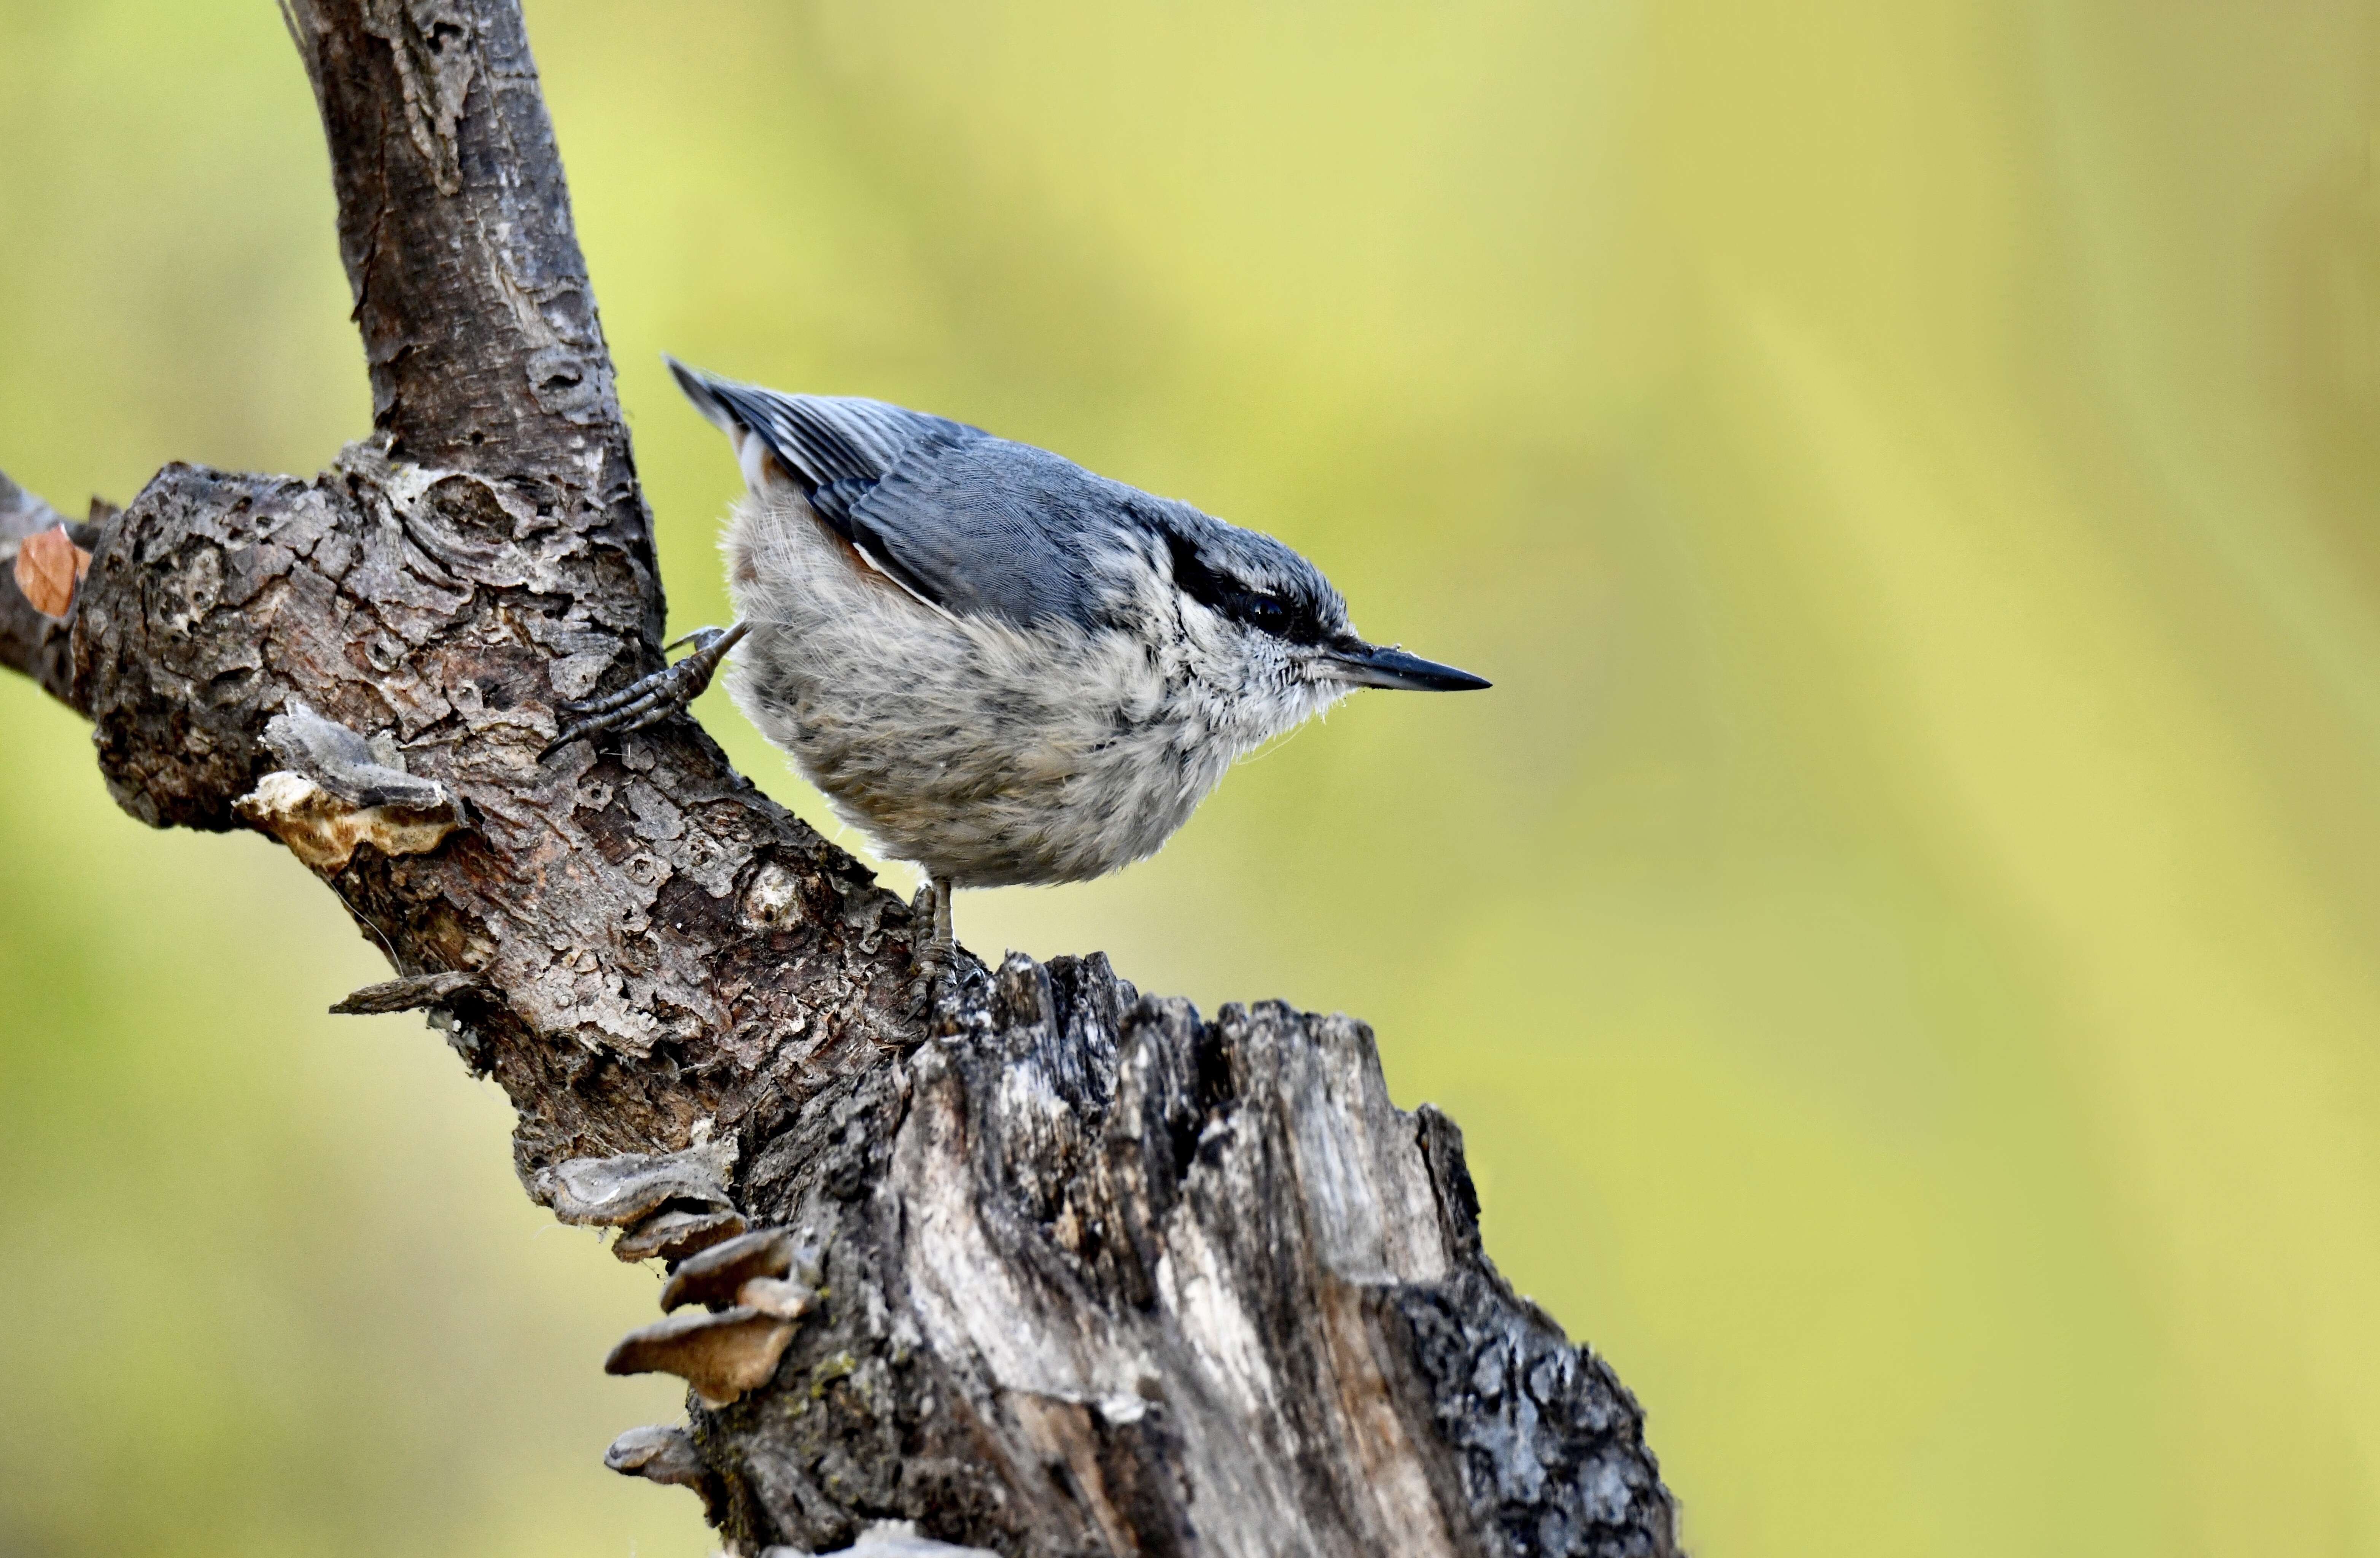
{"x": 703, "y": 389}
{"x": 738, "y": 410}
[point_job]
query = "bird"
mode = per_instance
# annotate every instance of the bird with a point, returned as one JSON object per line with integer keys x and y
{"x": 1000, "y": 668}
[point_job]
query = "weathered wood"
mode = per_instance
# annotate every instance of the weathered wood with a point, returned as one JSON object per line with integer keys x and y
{"x": 420, "y": 992}
{"x": 1087, "y": 1275}
{"x": 453, "y": 212}
{"x": 1107, "y": 1278}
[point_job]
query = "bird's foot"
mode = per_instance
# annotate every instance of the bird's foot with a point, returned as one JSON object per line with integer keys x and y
{"x": 652, "y": 698}
{"x": 934, "y": 991}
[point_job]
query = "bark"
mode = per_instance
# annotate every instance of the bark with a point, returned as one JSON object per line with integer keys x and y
{"x": 30, "y": 641}
{"x": 1078, "y": 1272}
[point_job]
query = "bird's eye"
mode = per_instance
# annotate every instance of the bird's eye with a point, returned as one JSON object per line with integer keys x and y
{"x": 1262, "y": 611}
{"x": 1282, "y": 617}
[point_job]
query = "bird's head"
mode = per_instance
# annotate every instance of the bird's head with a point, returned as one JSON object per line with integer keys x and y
{"x": 1274, "y": 631}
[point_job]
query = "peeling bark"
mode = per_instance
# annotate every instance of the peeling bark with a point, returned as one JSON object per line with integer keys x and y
{"x": 1087, "y": 1276}
{"x": 1104, "y": 1277}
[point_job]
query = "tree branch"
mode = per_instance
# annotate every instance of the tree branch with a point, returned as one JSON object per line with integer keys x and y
{"x": 31, "y": 643}
{"x": 453, "y": 212}
{"x": 22, "y": 515}
{"x": 1088, "y": 1275}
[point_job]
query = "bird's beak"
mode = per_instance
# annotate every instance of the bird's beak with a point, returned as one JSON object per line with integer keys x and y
{"x": 1366, "y": 665}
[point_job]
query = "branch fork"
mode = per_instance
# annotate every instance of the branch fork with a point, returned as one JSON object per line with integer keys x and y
{"x": 1079, "y": 1272}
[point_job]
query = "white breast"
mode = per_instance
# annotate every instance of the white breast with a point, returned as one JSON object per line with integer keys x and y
{"x": 981, "y": 752}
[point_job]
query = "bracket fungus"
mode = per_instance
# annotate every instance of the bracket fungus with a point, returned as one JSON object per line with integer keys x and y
{"x": 713, "y": 1277}
{"x": 657, "y": 1454}
{"x": 666, "y": 1455}
{"x": 751, "y": 1302}
{"x": 674, "y": 1232}
{"x": 339, "y": 791}
{"x": 769, "y": 1294}
{"x": 614, "y": 1191}
{"x": 721, "y": 1355}
{"x": 671, "y": 1205}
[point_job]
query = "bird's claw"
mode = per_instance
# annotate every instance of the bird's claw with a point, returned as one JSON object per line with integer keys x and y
{"x": 934, "y": 990}
{"x": 649, "y": 699}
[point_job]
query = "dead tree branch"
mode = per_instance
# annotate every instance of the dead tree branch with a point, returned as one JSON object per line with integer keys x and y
{"x": 32, "y": 642}
{"x": 1091, "y": 1276}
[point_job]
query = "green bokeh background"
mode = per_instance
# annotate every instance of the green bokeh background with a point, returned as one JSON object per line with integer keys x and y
{"x": 1901, "y": 935}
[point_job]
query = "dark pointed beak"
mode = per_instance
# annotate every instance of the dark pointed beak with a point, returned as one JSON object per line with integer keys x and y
{"x": 1366, "y": 665}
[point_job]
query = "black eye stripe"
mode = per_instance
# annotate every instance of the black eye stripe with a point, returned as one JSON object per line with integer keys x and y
{"x": 1281, "y": 616}
{"x": 1197, "y": 580}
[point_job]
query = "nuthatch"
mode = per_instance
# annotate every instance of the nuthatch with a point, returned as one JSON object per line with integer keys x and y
{"x": 1000, "y": 667}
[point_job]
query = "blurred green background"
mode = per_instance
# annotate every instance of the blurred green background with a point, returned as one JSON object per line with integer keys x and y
{"x": 1902, "y": 936}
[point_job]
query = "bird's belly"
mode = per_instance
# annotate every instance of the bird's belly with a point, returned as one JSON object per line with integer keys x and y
{"x": 991, "y": 760}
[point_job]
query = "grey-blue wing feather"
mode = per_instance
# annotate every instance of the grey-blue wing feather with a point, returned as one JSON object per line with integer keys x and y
{"x": 975, "y": 525}
{"x": 990, "y": 528}
{"x": 833, "y": 441}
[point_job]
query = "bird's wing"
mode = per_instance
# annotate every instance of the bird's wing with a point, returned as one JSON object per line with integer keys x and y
{"x": 969, "y": 524}
{"x": 823, "y": 442}
{"x": 991, "y": 528}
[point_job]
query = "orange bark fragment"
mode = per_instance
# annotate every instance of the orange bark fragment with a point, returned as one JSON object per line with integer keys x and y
{"x": 49, "y": 566}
